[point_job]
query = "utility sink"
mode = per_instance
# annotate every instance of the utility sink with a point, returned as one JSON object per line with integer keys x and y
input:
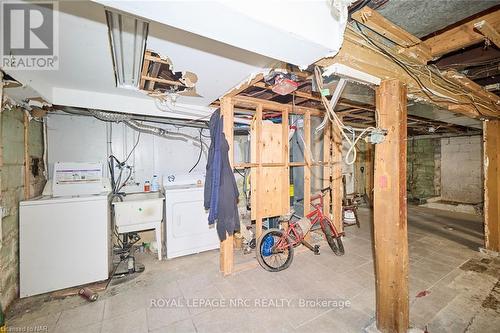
{"x": 139, "y": 208}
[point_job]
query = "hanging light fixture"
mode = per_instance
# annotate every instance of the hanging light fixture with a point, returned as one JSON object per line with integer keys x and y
{"x": 127, "y": 37}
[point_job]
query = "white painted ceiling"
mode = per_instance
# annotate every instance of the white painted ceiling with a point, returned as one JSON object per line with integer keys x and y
{"x": 86, "y": 78}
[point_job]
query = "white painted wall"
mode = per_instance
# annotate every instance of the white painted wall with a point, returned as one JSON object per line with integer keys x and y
{"x": 80, "y": 139}
{"x": 461, "y": 169}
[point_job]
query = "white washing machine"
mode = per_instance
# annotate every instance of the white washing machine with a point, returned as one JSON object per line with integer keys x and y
{"x": 65, "y": 241}
{"x": 186, "y": 221}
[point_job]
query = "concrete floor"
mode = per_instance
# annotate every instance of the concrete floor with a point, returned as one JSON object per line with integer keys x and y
{"x": 462, "y": 284}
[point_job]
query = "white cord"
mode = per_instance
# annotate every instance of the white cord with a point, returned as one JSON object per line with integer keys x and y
{"x": 335, "y": 119}
{"x": 306, "y": 147}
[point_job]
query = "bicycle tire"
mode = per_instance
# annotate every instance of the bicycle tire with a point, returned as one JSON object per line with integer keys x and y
{"x": 335, "y": 243}
{"x": 260, "y": 258}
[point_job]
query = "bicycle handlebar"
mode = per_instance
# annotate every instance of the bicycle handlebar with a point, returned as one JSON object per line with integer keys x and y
{"x": 326, "y": 189}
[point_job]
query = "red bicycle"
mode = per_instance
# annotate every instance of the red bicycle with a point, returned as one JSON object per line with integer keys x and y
{"x": 275, "y": 246}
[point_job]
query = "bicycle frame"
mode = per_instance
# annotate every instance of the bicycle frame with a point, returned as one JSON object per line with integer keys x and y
{"x": 315, "y": 216}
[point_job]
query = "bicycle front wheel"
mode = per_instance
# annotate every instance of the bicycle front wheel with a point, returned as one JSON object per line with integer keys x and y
{"x": 335, "y": 242}
{"x": 274, "y": 250}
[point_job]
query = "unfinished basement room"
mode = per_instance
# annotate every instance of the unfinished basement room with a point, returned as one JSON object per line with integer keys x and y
{"x": 250, "y": 166}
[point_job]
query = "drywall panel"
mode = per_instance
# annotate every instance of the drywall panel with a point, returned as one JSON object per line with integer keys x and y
{"x": 246, "y": 24}
{"x": 84, "y": 48}
{"x": 461, "y": 169}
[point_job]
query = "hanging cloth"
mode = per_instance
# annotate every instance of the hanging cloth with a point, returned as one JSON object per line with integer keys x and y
{"x": 221, "y": 191}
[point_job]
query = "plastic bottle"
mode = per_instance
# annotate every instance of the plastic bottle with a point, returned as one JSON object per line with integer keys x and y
{"x": 147, "y": 186}
{"x": 155, "y": 185}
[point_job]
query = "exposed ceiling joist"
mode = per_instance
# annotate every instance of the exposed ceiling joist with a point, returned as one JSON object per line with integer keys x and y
{"x": 251, "y": 81}
{"x": 471, "y": 86}
{"x": 488, "y": 31}
{"x": 372, "y": 54}
{"x": 462, "y": 35}
{"x": 373, "y": 20}
{"x": 474, "y": 56}
{"x": 406, "y": 43}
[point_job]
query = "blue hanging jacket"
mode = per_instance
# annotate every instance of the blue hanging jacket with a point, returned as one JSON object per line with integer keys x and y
{"x": 221, "y": 191}
{"x": 215, "y": 168}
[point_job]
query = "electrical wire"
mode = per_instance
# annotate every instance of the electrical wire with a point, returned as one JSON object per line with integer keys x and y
{"x": 335, "y": 119}
{"x": 203, "y": 135}
{"x": 133, "y": 148}
{"x": 199, "y": 156}
{"x": 428, "y": 92}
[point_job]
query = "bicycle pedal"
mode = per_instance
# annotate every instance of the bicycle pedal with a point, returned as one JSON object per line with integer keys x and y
{"x": 316, "y": 249}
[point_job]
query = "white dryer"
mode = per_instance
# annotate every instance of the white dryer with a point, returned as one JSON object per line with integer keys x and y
{"x": 186, "y": 221}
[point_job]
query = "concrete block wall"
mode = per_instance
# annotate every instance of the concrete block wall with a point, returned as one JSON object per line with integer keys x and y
{"x": 461, "y": 169}
{"x": 422, "y": 168}
{"x": 12, "y": 191}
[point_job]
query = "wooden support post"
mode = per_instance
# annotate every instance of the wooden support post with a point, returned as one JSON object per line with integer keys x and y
{"x": 369, "y": 172}
{"x": 227, "y": 255}
{"x": 491, "y": 136}
{"x": 338, "y": 188}
{"x": 327, "y": 168}
{"x": 285, "y": 159}
{"x": 258, "y": 188}
{"x": 227, "y": 112}
{"x": 307, "y": 167}
{"x": 390, "y": 212}
{"x": 226, "y": 246}
{"x": 26, "y": 157}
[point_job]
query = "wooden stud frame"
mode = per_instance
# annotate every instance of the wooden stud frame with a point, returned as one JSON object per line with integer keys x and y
{"x": 337, "y": 179}
{"x": 491, "y": 133}
{"x": 226, "y": 246}
{"x": 26, "y": 124}
{"x": 327, "y": 168}
{"x": 256, "y": 106}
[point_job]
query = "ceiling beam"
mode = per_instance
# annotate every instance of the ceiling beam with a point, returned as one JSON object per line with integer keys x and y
{"x": 373, "y": 20}
{"x": 369, "y": 55}
{"x": 471, "y": 86}
{"x": 407, "y": 43}
{"x": 488, "y": 31}
{"x": 310, "y": 97}
{"x": 462, "y": 35}
{"x": 475, "y": 56}
{"x": 251, "y": 81}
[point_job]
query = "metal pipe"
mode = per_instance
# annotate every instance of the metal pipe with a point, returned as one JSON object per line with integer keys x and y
{"x": 145, "y": 128}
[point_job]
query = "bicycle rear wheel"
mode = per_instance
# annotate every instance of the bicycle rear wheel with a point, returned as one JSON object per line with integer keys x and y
{"x": 335, "y": 242}
{"x": 274, "y": 250}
